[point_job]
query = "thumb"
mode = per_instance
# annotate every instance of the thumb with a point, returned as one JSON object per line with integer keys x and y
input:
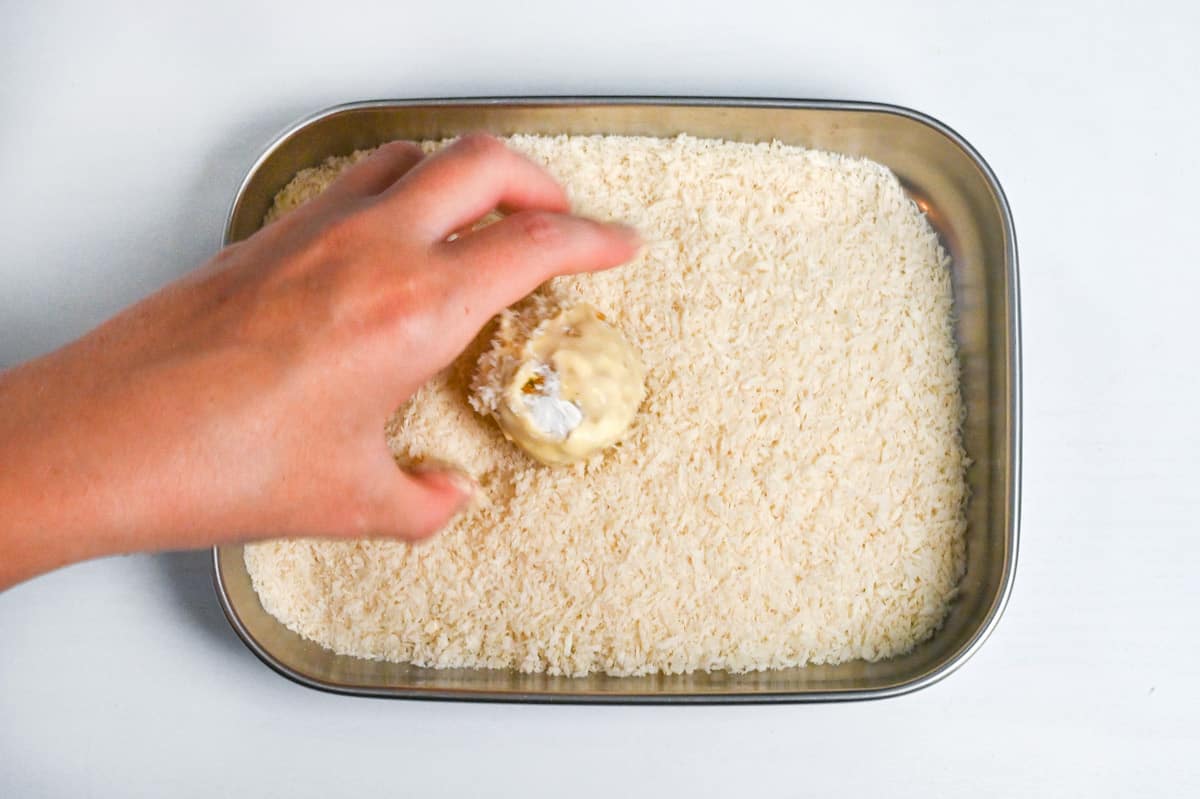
{"x": 425, "y": 501}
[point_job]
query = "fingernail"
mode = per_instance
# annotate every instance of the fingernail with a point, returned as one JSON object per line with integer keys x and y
{"x": 463, "y": 482}
{"x": 438, "y": 470}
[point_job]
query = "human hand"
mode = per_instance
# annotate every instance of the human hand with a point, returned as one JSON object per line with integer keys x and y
{"x": 248, "y": 399}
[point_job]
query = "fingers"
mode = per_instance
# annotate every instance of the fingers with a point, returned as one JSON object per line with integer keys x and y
{"x": 375, "y": 173}
{"x": 413, "y": 506}
{"x": 496, "y": 266}
{"x": 466, "y": 180}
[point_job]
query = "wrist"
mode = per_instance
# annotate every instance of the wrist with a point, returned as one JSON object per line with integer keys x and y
{"x": 60, "y": 498}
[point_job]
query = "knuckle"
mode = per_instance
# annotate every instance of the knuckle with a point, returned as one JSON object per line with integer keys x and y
{"x": 482, "y": 144}
{"x": 401, "y": 300}
{"x": 399, "y": 150}
{"x": 395, "y": 306}
{"x": 539, "y": 228}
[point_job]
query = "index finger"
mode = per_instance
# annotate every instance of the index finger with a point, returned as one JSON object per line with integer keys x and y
{"x": 502, "y": 263}
{"x": 463, "y": 182}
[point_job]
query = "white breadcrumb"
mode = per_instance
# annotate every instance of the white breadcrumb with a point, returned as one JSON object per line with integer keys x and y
{"x": 792, "y": 491}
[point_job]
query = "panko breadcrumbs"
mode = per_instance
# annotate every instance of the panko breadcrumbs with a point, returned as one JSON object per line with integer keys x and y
{"x": 792, "y": 491}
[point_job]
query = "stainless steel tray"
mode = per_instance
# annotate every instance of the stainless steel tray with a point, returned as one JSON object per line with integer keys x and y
{"x": 966, "y": 205}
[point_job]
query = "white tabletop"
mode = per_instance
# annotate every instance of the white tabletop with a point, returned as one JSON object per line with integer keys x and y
{"x": 123, "y": 135}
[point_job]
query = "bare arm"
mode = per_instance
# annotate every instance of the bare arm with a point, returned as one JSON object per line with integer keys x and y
{"x": 248, "y": 399}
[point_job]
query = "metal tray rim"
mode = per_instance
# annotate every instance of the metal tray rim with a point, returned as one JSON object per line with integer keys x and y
{"x": 1013, "y": 326}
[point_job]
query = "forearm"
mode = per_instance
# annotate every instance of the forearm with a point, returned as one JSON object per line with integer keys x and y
{"x": 83, "y": 475}
{"x": 50, "y": 493}
{"x": 102, "y": 457}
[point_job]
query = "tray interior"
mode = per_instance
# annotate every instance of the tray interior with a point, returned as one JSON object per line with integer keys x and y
{"x": 965, "y": 205}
